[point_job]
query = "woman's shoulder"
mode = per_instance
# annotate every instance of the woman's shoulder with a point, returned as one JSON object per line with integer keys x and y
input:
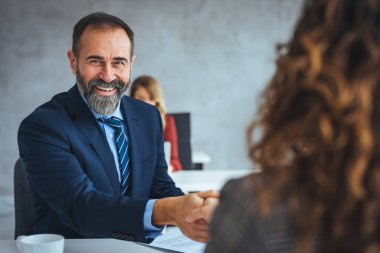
{"x": 247, "y": 185}
{"x": 240, "y": 195}
{"x": 234, "y": 225}
{"x": 238, "y": 226}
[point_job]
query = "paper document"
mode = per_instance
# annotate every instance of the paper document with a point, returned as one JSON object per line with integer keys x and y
{"x": 173, "y": 239}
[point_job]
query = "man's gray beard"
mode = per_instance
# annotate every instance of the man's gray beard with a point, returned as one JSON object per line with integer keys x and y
{"x": 101, "y": 104}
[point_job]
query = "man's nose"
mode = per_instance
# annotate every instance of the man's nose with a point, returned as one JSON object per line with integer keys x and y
{"x": 107, "y": 74}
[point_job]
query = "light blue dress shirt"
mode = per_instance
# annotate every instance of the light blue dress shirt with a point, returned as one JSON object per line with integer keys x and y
{"x": 150, "y": 230}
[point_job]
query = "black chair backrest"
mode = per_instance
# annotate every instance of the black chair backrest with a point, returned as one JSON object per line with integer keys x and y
{"x": 25, "y": 216}
{"x": 182, "y": 122}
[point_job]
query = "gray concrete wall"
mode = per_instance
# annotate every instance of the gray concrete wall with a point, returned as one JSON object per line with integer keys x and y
{"x": 212, "y": 58}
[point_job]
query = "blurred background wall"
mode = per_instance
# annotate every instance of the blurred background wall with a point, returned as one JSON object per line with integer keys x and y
{"x": 212, "y": 57}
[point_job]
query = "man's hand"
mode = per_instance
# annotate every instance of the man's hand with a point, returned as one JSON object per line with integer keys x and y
{"x": 174, "y": 211}
{"x": 204, "y": 212}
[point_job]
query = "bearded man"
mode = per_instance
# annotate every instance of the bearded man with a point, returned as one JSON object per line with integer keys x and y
{"x": 95, "y": 158}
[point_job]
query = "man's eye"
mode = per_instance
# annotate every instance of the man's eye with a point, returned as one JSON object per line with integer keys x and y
{"x": 120, "y": 63}
{"x": 95, "y": 61}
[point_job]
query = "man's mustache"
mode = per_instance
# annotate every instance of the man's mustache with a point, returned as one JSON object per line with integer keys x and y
{"x": 100, "y": 83}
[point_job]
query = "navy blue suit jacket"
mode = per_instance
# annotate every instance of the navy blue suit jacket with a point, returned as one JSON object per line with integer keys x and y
{"x": 72, "y": 172}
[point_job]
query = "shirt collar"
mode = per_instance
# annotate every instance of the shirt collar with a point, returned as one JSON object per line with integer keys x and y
{"x": 117, "y": 113}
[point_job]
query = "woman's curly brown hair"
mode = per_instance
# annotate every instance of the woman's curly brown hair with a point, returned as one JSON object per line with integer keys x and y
{"x": 320, "y": 125}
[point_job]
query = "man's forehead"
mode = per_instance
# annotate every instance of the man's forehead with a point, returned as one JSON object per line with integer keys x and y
{"x": 109, "y": 38}
{"x": 112, "y": 31}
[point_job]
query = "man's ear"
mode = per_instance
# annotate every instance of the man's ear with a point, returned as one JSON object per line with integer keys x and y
{"x": 73, "y": 61}
{"x": 133, "y": 59}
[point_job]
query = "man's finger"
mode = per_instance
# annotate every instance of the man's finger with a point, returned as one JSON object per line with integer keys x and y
{"x": 209, "y": 194}
{"x": 199, "y": 226}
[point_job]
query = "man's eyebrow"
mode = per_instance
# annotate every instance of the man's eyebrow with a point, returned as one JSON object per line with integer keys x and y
{"x": 96, "y": 57}
{"x": 120, "y": 59}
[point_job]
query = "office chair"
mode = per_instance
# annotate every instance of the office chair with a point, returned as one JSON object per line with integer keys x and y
{"x": 25, "y": 216}
{"x": 182, "y": 123}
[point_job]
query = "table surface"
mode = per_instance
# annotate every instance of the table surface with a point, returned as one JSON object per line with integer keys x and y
{"x": 202, "y": 180}
{"x": 90, "y": 246}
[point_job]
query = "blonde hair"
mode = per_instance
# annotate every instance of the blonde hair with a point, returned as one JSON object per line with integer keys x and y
{"x": 154, "y": 90}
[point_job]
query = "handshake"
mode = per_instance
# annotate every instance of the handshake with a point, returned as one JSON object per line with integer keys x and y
{"x": 191, "y": 213}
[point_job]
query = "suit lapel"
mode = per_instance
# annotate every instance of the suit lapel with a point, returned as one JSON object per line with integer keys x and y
{"x": 85, "y": 121}
{"x": 134, "y": 135}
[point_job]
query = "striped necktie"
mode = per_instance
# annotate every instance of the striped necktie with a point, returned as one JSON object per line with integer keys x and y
{"x": 122, "y": 150}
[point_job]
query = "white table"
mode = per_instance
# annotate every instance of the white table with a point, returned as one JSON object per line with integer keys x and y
{"x": 201, "y": 180}
{"x": 89, "y": 246}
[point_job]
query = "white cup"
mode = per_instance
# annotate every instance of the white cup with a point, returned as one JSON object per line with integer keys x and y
{"x": 40, "y": 243}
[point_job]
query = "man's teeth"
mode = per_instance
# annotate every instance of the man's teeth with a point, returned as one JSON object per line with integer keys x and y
{"x": 104, "y": 89}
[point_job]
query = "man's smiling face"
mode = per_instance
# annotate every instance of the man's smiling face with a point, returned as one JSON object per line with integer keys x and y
{"x": 102, "y": 67}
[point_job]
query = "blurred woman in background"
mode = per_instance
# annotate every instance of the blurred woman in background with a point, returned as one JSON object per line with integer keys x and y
{"x": 319, "y": 152}
{"x": 147, "y": 89}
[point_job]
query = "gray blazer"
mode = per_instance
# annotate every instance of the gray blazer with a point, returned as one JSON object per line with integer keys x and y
{"x": 236, "y": 226}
